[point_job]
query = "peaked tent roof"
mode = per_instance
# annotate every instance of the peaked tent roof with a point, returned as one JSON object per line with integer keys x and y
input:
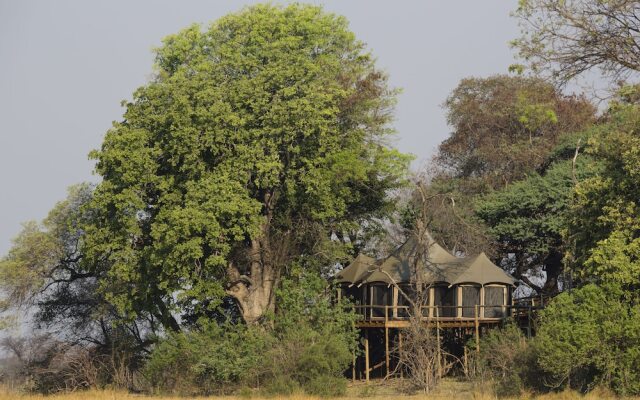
{"x": 397, "y": 267}
{"x": 356, "y": 270}
{"x": 481, "y": 270}
{"x": 440, "y": 266}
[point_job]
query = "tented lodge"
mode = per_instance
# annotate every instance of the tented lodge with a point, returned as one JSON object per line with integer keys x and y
{"x": 457, "y": 288}
{"x": 460, "y": 296}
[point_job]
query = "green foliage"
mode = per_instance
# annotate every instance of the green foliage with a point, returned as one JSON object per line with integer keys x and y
{"x": 604, "y": 227}
{"x": 529, "y": 217}
{"x": 271, "y": 122}
{"x": 316, "y": 338}
{"x": 308, "y": 343}
{"x": 326, "y": 386}
{"x": 528, "y": 214}
{"x": 589, "y": 337}
{"x": 504, "y": 127}
{"x": 42, "y": 252}
{"x": 23, "y": 271}
{"x": 44, "y": 268}
{"x": 211, "y": 359}
{"x": 508, "y": 360}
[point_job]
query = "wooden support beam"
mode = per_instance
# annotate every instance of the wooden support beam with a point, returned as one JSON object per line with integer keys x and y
{"x": 353, "y": 367}
{"x": 400, "y": 350}
{"x": 386, "y": 339}
{"x": 477, "y": 326}
{"x": 386, "y": 349}
{"x": 439, "y": 344}
{"x": 366, "y": 354}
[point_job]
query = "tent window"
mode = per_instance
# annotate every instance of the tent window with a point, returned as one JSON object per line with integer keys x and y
{"x": 494, "y": 296}
{"x": 403, "y": 302}
{"x": 352, "y": 292}
{"x": 381, "y": 296}
{"x": 445, "y": 298}
{"x": 470, "y": 298}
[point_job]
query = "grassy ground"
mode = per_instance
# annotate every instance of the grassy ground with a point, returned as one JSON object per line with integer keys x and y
{"x": 379, "y": 391}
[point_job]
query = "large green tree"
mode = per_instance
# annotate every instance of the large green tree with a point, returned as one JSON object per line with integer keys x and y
{"x": 604, "y": 229}
{"x": 262, "y": 139}
{"x": 527, "y": 219}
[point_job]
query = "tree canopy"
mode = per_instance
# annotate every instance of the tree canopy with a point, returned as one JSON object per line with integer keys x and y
{"x": 504, "y": 126}
{"x": 258, "y": 140}
{"x": 603, "y": 232}
{"x": 528, "y": 219}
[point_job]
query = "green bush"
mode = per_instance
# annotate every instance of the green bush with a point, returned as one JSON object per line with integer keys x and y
{"x": 591, "y": 337}
{"x": 314, "y": 339}
{"x": 211, "y": 359}
{"x": 326, "y": 386}
{"x": 281, "y": 386}
{"x": 508, "y": 360}
{"x": 306, "y": 342}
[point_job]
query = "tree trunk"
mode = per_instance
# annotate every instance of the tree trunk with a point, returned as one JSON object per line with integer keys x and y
{"x": 553, "y": 268}
{"x": 255, "y": 293}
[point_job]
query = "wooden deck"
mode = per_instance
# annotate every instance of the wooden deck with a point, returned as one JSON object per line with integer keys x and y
{"x": 441, "y": 323}
{"x": 388, "y": 318}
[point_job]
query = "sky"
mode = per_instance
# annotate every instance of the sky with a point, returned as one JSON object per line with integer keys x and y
{"x": 65, "y": 67}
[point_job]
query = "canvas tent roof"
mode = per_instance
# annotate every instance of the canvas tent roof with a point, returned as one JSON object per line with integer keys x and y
{"x": 356, "y": 270}
{"x": 397, "y": 268}
{"x": 440, "y": 266}
{"x": 481, "y": 270}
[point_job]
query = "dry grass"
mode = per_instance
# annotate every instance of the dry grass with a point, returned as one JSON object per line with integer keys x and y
{"x": 380, "y": 391}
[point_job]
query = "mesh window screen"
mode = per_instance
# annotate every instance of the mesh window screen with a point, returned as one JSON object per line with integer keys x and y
{"x": 444, "y": 298}
{"x": 381, "y": 296}
{"x": 494, "y": 296}
{"x": 470, "y": 298}
{"x": 353, "y": 293}
{"x": 403, "y": 301}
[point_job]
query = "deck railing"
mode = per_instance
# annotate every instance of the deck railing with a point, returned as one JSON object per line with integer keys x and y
{"x": 448, "y": 313}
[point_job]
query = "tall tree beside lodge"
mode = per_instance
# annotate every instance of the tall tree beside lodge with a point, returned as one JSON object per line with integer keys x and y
{"x": 603, "y": 233}
{"x": 257, "y": 141}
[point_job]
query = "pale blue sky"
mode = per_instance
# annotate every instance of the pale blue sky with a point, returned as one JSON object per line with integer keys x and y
{"x": 66, "y": 65}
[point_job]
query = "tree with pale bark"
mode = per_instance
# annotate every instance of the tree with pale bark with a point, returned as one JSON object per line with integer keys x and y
{"x": 261, "y": 140}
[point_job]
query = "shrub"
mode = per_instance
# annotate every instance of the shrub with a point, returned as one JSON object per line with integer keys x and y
{"x": 281, "y": 386}
{"x": 307, "y": 341}
{"x": 46, "y": 364}
{"x": 591, "y": 337}
{"x": 508, "y": 360}
{"x": 326, "y": 386}
{"x": 211, "y": 359}
{"x": 314, "y": 339}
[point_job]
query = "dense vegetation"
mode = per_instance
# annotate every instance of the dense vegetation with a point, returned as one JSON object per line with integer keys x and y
{"x": 258, "y": 158}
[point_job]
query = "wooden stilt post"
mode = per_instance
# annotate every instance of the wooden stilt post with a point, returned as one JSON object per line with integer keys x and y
{"x": 353, "y": 368}
{"x": 366, "y": 354}
{"x": 466, "y": 362}
{"x": 386, "y": 338}
{"x": 353, "y": 360}
{"x": 439, "y": 344}
{"x": 477, "y": 324}
{"x": 400, "y": 350}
